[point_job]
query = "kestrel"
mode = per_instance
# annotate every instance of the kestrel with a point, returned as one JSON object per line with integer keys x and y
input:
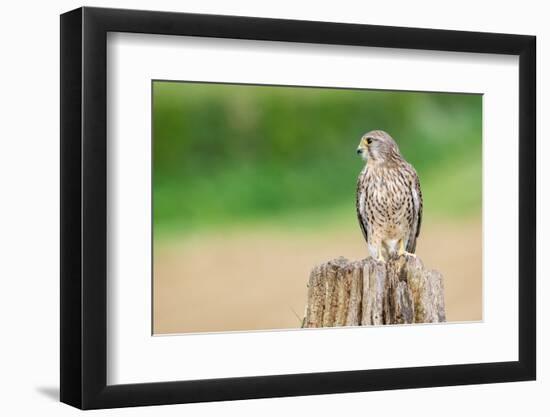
{"x": 389, "y": 200}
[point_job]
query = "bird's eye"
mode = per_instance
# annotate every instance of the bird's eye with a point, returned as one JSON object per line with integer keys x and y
{"x": 369, "y": 141}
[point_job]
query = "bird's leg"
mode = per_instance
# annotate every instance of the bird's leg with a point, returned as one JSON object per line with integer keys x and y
{"x": 401, "y": 251}
{"x": 380, "y": 257}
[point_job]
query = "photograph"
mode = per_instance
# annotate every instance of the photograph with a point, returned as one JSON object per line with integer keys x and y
{"x": 335, "y": 205}
{"x": 288, "y": 207}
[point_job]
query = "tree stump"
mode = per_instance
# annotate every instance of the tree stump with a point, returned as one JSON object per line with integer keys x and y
{"x": 369, "y": 292}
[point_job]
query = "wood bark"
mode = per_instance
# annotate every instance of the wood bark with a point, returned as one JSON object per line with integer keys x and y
{"x": 370, "y": 292}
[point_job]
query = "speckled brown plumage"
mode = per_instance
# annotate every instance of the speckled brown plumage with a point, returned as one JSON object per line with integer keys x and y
{"x": 389, "y": 200}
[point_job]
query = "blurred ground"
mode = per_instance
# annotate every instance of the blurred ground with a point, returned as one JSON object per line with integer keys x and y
{"x": 256, "y": 280}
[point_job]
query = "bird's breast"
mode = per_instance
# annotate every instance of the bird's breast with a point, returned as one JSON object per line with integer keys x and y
{"x": 387, "y": 194}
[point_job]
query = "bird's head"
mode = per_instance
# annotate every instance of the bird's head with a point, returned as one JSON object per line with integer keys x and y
{"x": 377, "y": 146}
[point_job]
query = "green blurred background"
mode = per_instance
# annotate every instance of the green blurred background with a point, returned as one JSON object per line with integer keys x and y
{"x": 231, "y": 154}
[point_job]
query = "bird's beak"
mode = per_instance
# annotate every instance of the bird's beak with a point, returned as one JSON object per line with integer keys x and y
{"x": 362, "y": 151}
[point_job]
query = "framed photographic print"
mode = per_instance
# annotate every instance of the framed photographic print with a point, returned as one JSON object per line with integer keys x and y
{"x": 257, "y": 207}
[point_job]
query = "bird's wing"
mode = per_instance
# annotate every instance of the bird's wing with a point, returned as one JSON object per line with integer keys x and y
{"x": 361, "y": 211}
{"x": 417, "y": 214}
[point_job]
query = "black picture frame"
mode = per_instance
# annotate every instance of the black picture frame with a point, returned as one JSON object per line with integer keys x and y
{"x": 84, "y": 207}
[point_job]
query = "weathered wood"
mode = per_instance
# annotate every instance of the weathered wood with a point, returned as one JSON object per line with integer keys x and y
{"x": 369, "y": 292}
{"x": 353, "y": 317}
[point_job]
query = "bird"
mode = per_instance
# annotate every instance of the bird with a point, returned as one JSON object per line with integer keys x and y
{"x": 388, "y": 198}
